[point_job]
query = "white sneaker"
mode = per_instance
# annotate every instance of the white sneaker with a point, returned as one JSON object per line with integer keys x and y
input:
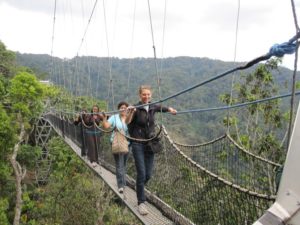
{"x": 142, "y": 209}
{"x": 121, "y": 190}
{"x": 94, "y": 164}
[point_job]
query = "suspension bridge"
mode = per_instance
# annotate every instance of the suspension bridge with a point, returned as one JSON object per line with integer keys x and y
{"x": 192, "y": 184}
{"x": 213, "y": 183}
{"x": 218, "y": 182}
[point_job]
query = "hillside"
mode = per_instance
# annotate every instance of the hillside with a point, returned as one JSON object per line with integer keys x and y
{"x": 92, "y": 76}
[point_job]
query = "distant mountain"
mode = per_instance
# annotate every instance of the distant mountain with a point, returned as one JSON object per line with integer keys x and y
{"x": 118, "y": 79}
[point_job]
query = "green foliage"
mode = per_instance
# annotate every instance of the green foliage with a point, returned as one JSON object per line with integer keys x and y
{"x": 259, "y": 128}
{"x": 3, "y": 87}
{"x": 86, "y": 103}
{"x": 28, "y": 155}
{"x": 61, "y": 99}
{"x": 28, "y": 210}
{"x": 6, "y": 132}
{"x": 21, "y": 100}
{"x": 26, "y": 94}
{"x": 3, "y": 210}
{"x": 73, "y": 195}
{"x": 7, "y": 60}
{"x": 7, "y": 138}
{"x": 90, "y": 77}
{"x": 297, "y": 85}
{"x": 259, "y": 125}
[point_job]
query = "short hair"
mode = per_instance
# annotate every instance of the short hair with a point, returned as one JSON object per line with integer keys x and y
{"x": 122, "y": 103}
{"x": 142, "y": 87}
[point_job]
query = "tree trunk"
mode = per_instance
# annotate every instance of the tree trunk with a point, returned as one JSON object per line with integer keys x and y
{"x": 19, "y": 175}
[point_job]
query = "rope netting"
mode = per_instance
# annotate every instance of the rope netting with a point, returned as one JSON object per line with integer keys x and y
{"x": 198, "y": 189}
{"x": 225, "y": 158}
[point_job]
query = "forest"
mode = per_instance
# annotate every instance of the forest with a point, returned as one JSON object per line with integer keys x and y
{"x": 72, "y": 193}
{"x": 115, "y": 79}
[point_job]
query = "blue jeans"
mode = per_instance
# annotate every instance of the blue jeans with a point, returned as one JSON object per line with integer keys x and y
{"x": 121, "y": 160}
{"x": 144, "y": 164}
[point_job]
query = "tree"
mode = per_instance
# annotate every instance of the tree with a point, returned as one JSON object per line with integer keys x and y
{"x": 257, "y": 126}
{"x": 25, "y": 95}
{"x": 7, "y": 61}
{"x": 260, "y": 128}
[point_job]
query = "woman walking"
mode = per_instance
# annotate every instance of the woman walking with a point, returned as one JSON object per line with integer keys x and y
{"x": 117, "y": 122}
{"x": 141, "y": 125}
{"x": 92, "y": 134}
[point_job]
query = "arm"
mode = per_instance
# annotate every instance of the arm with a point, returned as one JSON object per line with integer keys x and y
{"x": 130, "y": 113}
{"x": 79, "y": 117}
{"x": 172, "y": 111}
{"x": 105, "y": 123}
{"x": 86, "y": 118}
{"x": 160, "y": 108}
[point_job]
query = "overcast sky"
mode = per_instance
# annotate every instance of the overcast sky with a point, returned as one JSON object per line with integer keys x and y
{"x": 191, "y": 27}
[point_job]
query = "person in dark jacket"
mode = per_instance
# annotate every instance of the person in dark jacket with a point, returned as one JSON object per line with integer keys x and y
{"x": 93, "y": 134}
{"x": 80, "y": 135}
{"x": 141, "y": 125}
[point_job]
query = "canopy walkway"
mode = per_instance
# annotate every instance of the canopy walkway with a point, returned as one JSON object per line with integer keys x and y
{"x": 213, "y": 183}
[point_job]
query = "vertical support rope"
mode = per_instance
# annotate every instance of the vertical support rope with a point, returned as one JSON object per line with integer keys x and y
{"x": 77, "y": 73}
{"x": 234, "y": 59}
{"x": 131, "y": 47}
{"x": 87, "y": 26}
{"x": 52, "y": 39}
{"x": 88, "y": 90}
{"x": 163, "y": 39}
{"x": 110, "y": 86}
{"x": 154, "y": 51}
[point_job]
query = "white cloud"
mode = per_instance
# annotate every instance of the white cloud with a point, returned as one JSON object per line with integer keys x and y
{"x": 192, "y": 28}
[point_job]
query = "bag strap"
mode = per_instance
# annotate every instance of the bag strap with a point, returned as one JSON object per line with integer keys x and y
{"x": 115, "y": 128}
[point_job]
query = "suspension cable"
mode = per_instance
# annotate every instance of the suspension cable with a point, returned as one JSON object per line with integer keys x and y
{"x": 87, "y": 26}
{"x": 234, "y": 60}
{"x": 277, "y": 50}
{"x": 215, "y": 108}
{"x": 238, "y": 105}
{"x": 154, "y": 51}
{"x": 52, "y": 39}
{"x": 110, "y": 84}
{"x": 130, "y": 57}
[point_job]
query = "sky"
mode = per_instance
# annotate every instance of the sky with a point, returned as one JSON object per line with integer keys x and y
{"x": 228, "y": 30}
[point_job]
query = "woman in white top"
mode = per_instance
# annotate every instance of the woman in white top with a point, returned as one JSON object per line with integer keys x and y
{"x": 117, "y": 121}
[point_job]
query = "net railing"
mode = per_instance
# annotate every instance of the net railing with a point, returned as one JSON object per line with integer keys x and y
{"x": 225, "y": 158}
{"x": 189, "y": 182}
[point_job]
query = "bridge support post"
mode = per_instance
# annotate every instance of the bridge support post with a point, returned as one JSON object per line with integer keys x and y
{"x": 43, "y": 164}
